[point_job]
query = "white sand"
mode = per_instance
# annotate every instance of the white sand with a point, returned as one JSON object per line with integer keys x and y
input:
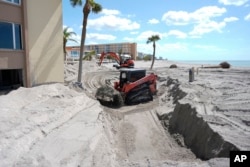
{"x": 54, "y": 125}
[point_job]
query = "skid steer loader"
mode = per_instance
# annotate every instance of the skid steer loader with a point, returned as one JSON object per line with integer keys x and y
{"x": 133, "y": 87}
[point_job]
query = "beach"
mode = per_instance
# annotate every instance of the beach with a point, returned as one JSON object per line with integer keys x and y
{"x": 187, "y": 124}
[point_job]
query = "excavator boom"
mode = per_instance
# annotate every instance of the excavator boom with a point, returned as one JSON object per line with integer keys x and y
{"x": 112, "y": 54}
{"x": 126, "y": 64}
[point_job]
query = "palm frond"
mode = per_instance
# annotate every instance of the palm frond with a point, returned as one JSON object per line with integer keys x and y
{"x": 71, "y": 39}
{"x": 153, "y": 38}
{"x": 89, "y": 55}
{"x": 67, "y": 34}
{"x": 75, "y": 3}
{"x": 96, "y": 8}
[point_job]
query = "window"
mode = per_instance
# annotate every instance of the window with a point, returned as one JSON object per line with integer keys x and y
{"x": 107, "y": 48}
{"x": 18, "y": 40}
{"x": 75, "y": 53}
{"x": 96, "y": 49}
{"x": 10, "y": 36}
{"x": 14, "y": 1}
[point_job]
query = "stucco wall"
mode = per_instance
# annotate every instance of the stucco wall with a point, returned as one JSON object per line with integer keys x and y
{"x": 45, "y": 45}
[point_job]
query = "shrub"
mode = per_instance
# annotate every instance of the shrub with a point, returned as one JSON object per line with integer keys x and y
{"x": 225, "y": 65}
{"x": 173, "y": 66}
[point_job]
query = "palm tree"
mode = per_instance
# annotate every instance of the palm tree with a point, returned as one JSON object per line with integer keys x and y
{"x": 153, "y": 39}
{"x": 89, "y": 55}
{"x": 90, "y": 5}
{"x": 67, "y": 37}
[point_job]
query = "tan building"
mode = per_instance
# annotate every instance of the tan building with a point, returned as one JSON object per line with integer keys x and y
{"x": 127, "y": 48}
{"x": 31, "y": 46}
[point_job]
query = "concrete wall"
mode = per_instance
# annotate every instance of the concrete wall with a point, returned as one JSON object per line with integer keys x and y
{"x": 45, "y": 41}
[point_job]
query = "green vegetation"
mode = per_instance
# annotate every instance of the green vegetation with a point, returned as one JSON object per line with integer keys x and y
{"x": 147, "y": 57}
{"x": 225, "y": 65}
{"x": 89, "y": 55}
{"x": 67, "y": 37}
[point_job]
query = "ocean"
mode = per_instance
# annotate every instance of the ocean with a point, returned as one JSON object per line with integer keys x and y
{"x": 233, "y": 63}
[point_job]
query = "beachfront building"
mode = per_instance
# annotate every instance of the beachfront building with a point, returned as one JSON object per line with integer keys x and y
{"x": 127, "y": 48}
{"x": 31, "y": 43}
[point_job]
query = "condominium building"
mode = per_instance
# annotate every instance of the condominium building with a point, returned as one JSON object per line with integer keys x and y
{"x": 31, "y": 46}
{"x": 126, "y": 48}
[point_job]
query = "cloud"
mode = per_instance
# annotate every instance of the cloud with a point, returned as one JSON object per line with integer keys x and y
{"x": 97, "y": 36}
{"x": 110, "y": 12}
{"x": 247, "y": 17}
{"x": 112, "y": 22}
{"x": 89, "y": 37}
{"x": 202, "y": 20}
{"x": 144, "y": 35}
{"x": 69, "y": 28}
{"x": 166, "y": 50}
{"x": 185, "y": 18}
{"x": 208, "y": 12}
{"x": 177, "y": 33}
{"x": 231, "y": 19}
{"x": 134, "y": 32}
{"x": 207, "y": 27}
{"x": 233, "y": 2}
{"x": 176, "y": 18}
{"x": 153, "y": 21}
{"x": 210, "y": 26}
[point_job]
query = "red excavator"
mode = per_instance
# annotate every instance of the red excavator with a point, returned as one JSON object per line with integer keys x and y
{"x": 133, "y": 87}
{"x": 122, "y": 62}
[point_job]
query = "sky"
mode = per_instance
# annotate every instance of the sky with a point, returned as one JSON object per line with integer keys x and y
{"x": 188, "y": 29}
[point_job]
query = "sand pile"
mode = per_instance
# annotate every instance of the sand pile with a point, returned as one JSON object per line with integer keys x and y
{"x": 49, "y": 124}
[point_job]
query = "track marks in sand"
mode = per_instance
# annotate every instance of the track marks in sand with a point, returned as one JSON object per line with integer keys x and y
{"x": 94, "y": 80}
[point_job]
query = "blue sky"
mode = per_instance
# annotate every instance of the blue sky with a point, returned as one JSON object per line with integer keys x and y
{"x": 189, "y": 29}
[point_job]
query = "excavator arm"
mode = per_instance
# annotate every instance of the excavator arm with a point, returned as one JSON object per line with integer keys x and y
{"x": 126, "y": 64}
{"x": 112, "y": 54}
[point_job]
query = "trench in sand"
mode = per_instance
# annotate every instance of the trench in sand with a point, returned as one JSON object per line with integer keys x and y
{"x": 196, "y": 132}
{"x": 139, "y": 137}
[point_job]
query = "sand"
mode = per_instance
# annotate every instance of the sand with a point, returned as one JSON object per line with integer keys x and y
{"x": 187, "y": 124}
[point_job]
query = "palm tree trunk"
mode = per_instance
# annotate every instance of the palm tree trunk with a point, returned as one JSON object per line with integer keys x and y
{"x": 153, "y": 60}
{"x": 86, "y": 11}
{"x": 64, "y": 48}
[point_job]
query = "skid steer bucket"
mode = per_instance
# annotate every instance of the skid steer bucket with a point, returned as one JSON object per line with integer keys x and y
{"x": 108, "y": 96}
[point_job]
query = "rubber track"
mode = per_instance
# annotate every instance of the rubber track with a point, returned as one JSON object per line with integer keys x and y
{"x": 139, "y": 96}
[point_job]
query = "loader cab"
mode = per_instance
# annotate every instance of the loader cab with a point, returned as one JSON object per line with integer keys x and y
{"x": 131, "y": 75}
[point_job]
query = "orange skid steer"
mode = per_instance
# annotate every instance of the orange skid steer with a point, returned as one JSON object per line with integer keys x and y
{"x": 133, "y": 87}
